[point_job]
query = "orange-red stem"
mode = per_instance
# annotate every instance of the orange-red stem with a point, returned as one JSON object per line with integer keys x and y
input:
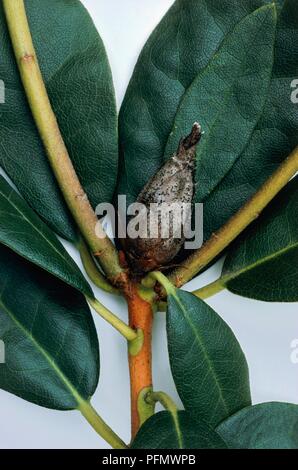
{"x": 140, "y": 364}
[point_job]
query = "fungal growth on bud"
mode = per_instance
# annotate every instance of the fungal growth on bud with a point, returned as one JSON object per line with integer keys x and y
{"x": 165, "y": 206}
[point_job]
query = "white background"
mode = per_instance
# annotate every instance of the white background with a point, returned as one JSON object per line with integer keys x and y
{"x": 264, "y": 330}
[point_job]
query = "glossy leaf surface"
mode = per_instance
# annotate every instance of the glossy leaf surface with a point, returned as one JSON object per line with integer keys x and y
{"x": 51, "y": 347}
{"x": 264, "y": 426}
{"x": 163, "y": 431}
{"x": 263, "y": 264}
{"x": 78, "y": 79}
{"x": 208, "y": 365}
{"x": 26, "y": 234}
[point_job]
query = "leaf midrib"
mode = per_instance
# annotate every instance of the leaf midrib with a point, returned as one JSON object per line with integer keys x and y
{"x": 230, "y": 276}
{"x": 69, "y": 386}
{"x": 201, "y": 343}
{"x": 23, "y": 216}
{"x": 176, "y": 421}
{"x": 201, "y": 73}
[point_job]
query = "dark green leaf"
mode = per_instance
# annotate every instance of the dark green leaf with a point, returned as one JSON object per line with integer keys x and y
{"x": 208, "y": 365}
{"x": 23, "y": 232}
{"x": 166, "y": 431}
{"x": 227, "y": 98}
{"x": 275, "y": 135}
{"x": 264, "y": 262}
{"x": 265, "y": 426}
{"x": 51, "y": 347}
{"x": 77, "y": 75}
{"x": 186, "y": 41}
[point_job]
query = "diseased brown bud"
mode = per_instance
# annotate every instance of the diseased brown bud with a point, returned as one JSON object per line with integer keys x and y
{"x": 171, "y": 189}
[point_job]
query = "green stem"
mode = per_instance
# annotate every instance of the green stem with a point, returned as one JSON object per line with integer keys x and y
{"x": 170, "y": 406}
{"x": 210, "y": 289}
{"x": 161, "y": 306}
{"x": 165, "y": 400}
{"x": 100, "y": 426}
{"x": 146, "y": 407}
{"x": 163, "y": 281}
{"x": 50, "y": 134}
{"x": 118, "y": 324}
{"x": 92, "y": 270}
{"x": 236, "y": 224}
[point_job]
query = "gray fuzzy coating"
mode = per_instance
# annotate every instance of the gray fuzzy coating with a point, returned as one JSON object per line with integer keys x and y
{"x": 173, "y": 183}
